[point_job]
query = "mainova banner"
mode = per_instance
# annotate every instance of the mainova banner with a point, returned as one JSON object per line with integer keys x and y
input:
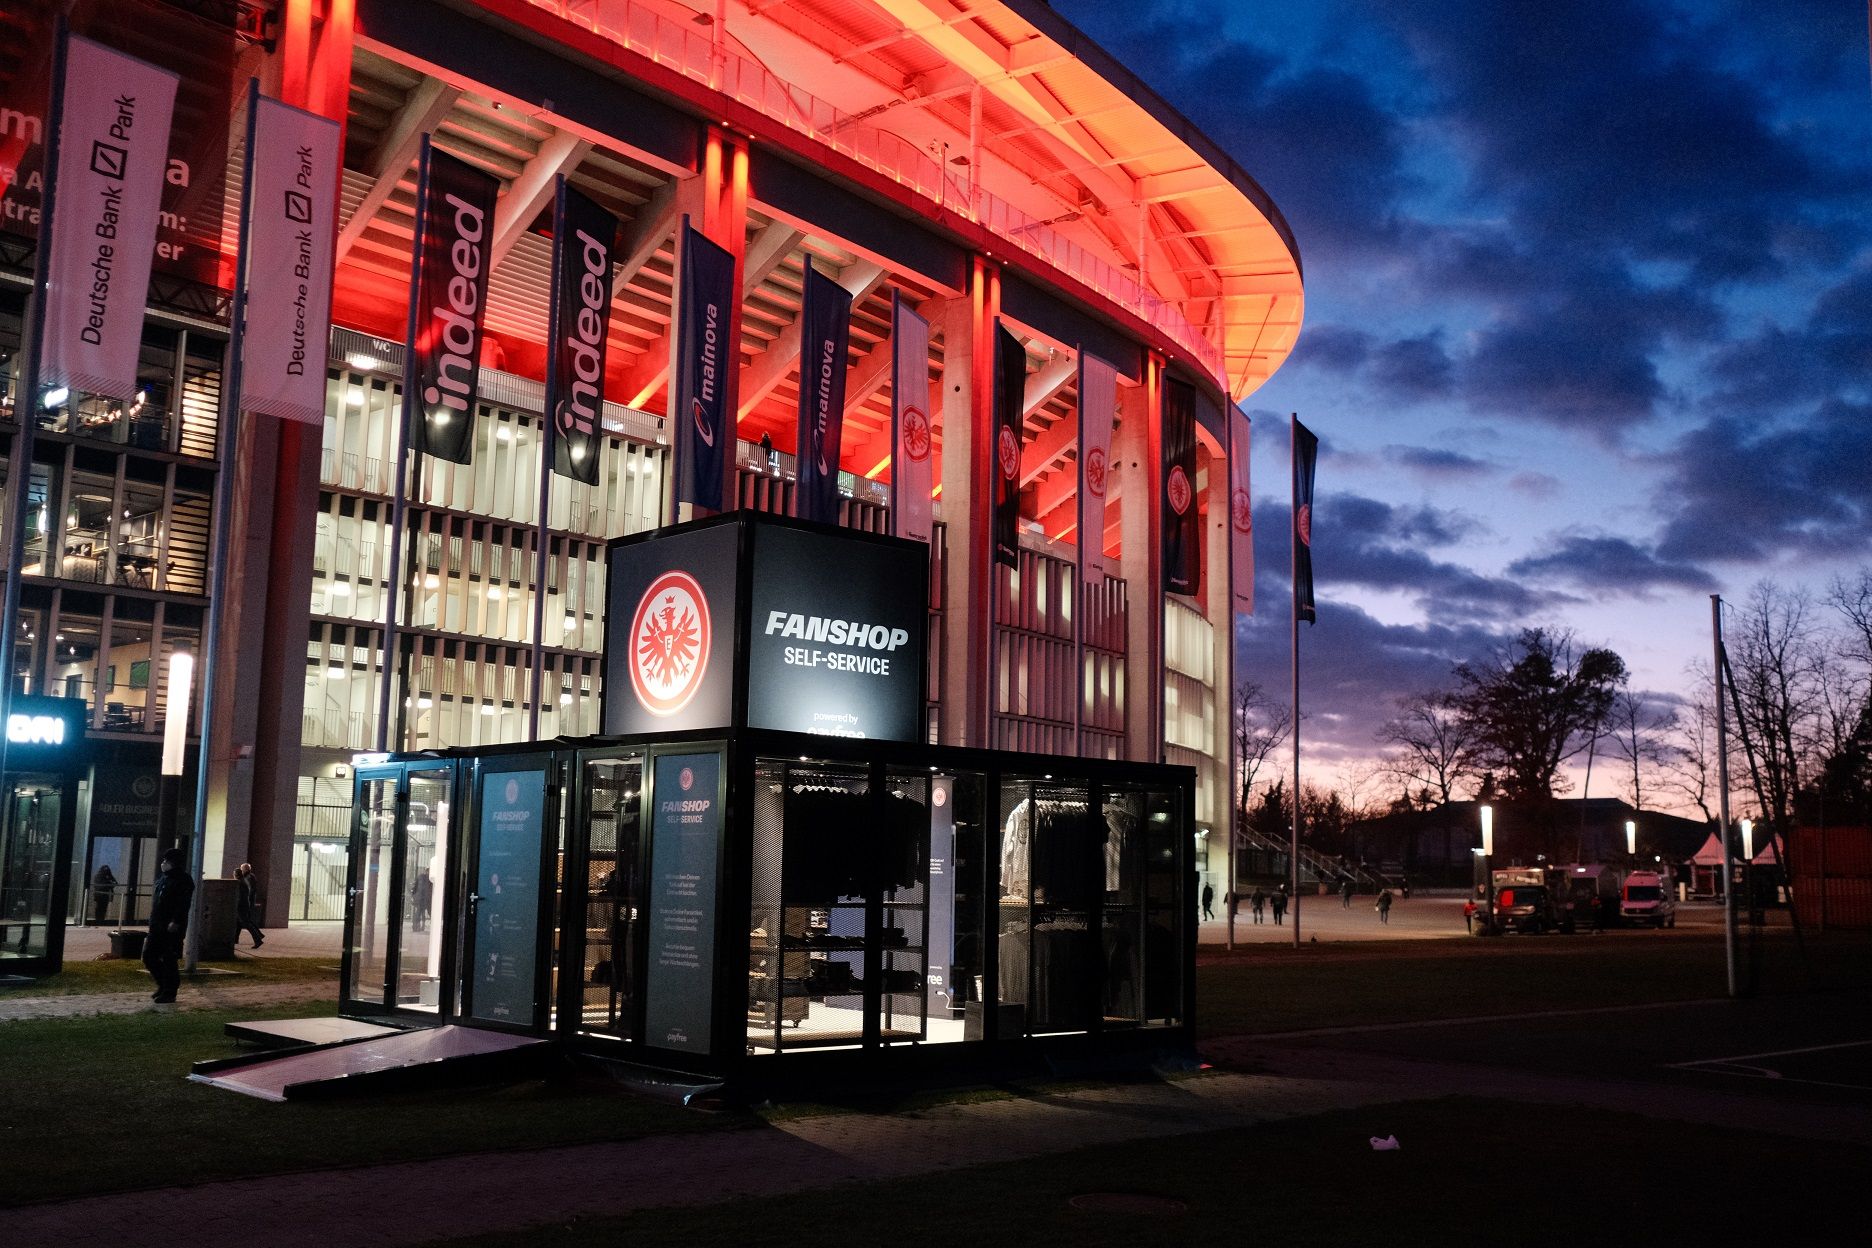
{"x": 1098, "y": 408}
{"x": 912, "y": 442}
{"x": 293, "y": 210}
{"x": 1241, "y": 513}
{"x": 1010, "y": 393}
{"x": 838, "y": 635}
{"x": 113, "y": 147}
{"x": 670, "y": 631}
{"x": 825, "y": 349}
{"x": 584, "y": 242}
{"x": 449, "y": 293}
{"x": 702, "y": 428}
{"x": 1182, "y": 529}
{"x": 503, "y": 956}
{"x": 685, "y": 870}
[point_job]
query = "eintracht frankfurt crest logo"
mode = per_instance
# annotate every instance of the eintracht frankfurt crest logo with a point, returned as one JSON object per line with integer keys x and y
{"x": 916, "y": 434}
{"x": 1010, "y": 453}
{"x": 1303, "y": 521}
{"x": 669, "y": 643}
{"x": 1095, "y": 471}
{"x": 1179, "y": 490}
{"x": 686, "y": 779}
{"x": 1241, "y": 512}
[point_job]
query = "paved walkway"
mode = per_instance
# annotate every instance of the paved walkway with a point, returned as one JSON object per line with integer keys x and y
{"x": 217, "y": 993}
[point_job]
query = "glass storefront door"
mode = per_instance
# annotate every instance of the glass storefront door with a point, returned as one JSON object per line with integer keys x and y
{"x": 501, "y": 963}
{"x": 366, "y": 973}
{"x": 30, "y": 863}
{"x": 422, "y": 853}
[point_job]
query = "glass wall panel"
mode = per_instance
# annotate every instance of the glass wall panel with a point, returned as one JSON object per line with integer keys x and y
{"x": 613, "y": 896}
{"x": 369, "y": 952}
{"x": 29, "y": 831}
{"x": 958, "y": 898}
{"x": 1165, "y": 907}
{"x": 424, "y": 842}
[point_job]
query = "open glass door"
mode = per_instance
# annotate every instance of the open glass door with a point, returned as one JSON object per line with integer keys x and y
{"x": 365, "y": 977}
{"x": 422, "y": 860}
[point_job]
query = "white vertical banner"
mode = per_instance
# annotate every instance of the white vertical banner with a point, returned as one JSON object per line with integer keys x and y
{"x": 113, "y": 156}
{"x": 288, "y": 279}
{"x": 1098, "y": 406}
{"x": 912, "y": 443}
{"x": 1241, "y": 514}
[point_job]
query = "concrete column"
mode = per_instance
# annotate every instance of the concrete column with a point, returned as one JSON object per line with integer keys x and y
{"x": 967, "y": 414}
{"x": 1137, "y": 451}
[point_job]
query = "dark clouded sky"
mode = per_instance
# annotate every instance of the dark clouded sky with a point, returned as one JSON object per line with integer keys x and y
{"x": 1588, "y": 327}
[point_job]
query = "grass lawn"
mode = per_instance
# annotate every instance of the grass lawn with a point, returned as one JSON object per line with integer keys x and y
{"x": 1272, "y": 988}
{"x": 1468, "y": 1171}
{"x": 90, "y": 1100}
{"x": 128, "y": 975}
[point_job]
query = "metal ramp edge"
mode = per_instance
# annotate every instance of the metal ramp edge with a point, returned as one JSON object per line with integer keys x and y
{"x": 425, "y": 1058}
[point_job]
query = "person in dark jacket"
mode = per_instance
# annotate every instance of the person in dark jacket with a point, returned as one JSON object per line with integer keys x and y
{"x": 103, "y": 885}
{"x": 169, "y": 916}
{"x": 1208, "y": 901}
{"x": 247, "y": 903}
{"x": 1384, "y": 906}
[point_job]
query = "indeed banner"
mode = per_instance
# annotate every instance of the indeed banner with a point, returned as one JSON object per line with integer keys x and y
{"x": 293, "y": 205}
{"x": 113, "y": 147}
{"x": 1182, "y": 530}
{"x": 584, "y": 238}
{"x": 698, "y": 410}
{"x": 1098, "y": 407}
{"x": 825, "y": 341}
{"x": 1010, "y": 394}
{"x": 912, "y": 443}
{"x": 449, "y": 289}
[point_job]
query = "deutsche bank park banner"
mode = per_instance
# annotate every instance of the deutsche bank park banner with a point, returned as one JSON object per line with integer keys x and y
{"x": 455, "y": 242}
{"x": 584, "y": 240}
{"x": 1098, "y": 408}
{"x": 113, "y": 146}
{"x": 292, "y": 208}
{"x": 912, "y": 442}
{"x": 825, "y": 346}
{"x": 701, "y": 430}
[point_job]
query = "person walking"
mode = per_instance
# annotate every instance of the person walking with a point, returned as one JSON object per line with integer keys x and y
{"x": 1280, "y": 907}
{"x": 247, "y": 904}
{"x": 1345, "y": 894}
{"x": 169, "y": 916}
{"x": 103, "y": 885}
{"x": 1468, "y": 915}
{"x": 1208, "y": 901}
{"x": 1384, "y": 906}
{"x": 1259, "y": 902}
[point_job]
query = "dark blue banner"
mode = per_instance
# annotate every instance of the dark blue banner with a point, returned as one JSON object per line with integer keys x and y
{"x": 825, "y": 337}
{"x": 1305, "y": 456}
{"x": 1010, "y": 396}
{"x": 701, "y": 426}
{"x": 584, "y": 238}
{"x": 1182, "y": 529}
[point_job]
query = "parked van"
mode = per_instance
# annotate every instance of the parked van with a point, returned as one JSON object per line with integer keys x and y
{"x": 1586, "y": 895}
{"x": 1646, "y": 900}
{"x": 1522, "y": 902}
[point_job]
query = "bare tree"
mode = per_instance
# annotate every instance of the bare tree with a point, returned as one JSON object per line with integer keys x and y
{"x": 1853, "y": 599}
{"x": 1436, "y": 744}
{"x": 1777, "y": 660}
{"x": 1261, "y": 725}
{"x": 1636, "y": 726}
{"x": 1689, "y": 759}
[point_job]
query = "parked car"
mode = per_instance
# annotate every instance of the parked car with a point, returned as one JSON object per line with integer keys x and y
{"x": 1522, "y": 902}
{"x": 1646, "y": 900}
{"x": 1586, "y": 894}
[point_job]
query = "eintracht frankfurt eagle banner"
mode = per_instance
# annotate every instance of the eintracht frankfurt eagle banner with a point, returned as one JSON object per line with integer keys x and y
{"x": 1098, "y": 406}
{"x": 456, "y": 219}
{"x": 1241, "y": 514}
{"x": 292, "y": 209}
{"x": 1010, "y": 393}
{"x": 825, "y": 347}
{"x": 913, "y": 443}
{"x": 1305, "y": 453}
{"x": 113, "y": 146}
{"x": 1182, "y": 530}
{"x": 584, "y": 239}
{"x": 701, "y": 430}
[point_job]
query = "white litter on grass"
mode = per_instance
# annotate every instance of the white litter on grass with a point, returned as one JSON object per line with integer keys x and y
{"x": 1386, "y": 1144}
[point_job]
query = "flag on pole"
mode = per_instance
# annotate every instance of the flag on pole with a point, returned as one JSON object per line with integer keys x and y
{"x": 584, "y": 244}
{"x": 1010, "y": 395}
{"x": 293, "y": 207}
{"x": 1098, "y": 406}
{"x": 449, "y": 286}
{"x": 698, "y": 410}
{"x": 1182, "y": 528}
{"x": 1241, "y": 513}
{"x": 1305, "y": 453}
{"x": 825, "y": 347}
{"x": 113, "y": 150}
{"x": 912, "y": 443}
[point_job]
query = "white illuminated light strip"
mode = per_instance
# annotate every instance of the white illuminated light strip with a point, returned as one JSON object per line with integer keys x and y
{"x": 35, "y": 729}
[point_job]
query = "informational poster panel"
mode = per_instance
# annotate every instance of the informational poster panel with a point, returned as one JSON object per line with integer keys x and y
{"x": 685, "y": 860}
{"x": 505, "y": 949}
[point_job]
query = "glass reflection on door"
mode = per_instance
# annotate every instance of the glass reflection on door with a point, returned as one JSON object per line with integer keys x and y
{"x": 424, "y": 852}
{"x": 28, "y": 849}
{"x": 368, "y": 947}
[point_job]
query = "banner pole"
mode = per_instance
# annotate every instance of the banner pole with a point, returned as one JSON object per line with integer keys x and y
{"x": 399, "y": 503}
{"x": 540, "y": 551}
{"x": 229, "y": 432}
{"x": 1079, "y": 588}
{"x": 26, "y": 401}
{"x": 1228, "y": 684}
{"x": 1293, "y": 538}
{"x": 1722, "y": 794}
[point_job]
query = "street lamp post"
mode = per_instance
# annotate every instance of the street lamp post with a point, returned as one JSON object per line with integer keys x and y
{"x": 1488, "y": 875}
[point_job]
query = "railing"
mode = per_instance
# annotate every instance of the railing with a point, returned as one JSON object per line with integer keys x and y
{"x": 684, "y": 48}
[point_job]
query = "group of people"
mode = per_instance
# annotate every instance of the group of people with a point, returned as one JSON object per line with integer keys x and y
{"x": 171, "y": 899}
{"x": 1259, "y": 903}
